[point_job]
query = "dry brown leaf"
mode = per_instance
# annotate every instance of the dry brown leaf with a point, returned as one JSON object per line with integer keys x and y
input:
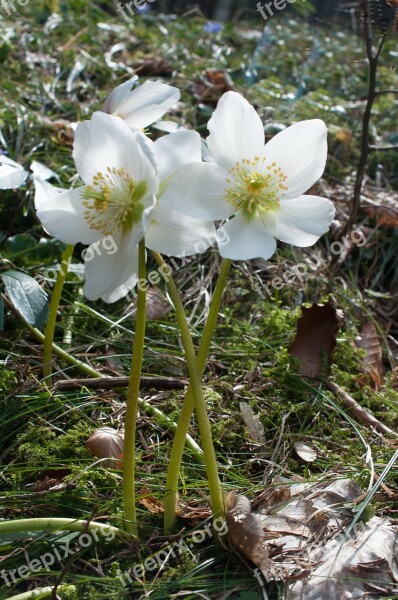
{"x": 210, "y": 89}
{"x": 157, "y": 305}
{"x": 150, "y": 502}
{"x": 107, "y": 443}
{"x": 193, "y": 511}
{"x": 353, "y": 568}
{"x": 301, "y": 539}
{"x": 316, "y": 338}
{"x": 305, "y": 452}
{"x": 153, "y": 66}
{"x": 252, "y": 422}
{"x": 385, "y": 211}
{"x": 49, "y": 479}
{"x": 372, "y": 364}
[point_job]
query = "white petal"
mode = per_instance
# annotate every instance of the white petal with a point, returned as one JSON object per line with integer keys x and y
{"x": 105, "y": 142}
{"x": 110, "y": 275}
{"x": 302, "y": 221}
{"x": 198, "y": 190}
{"x": 42, "y": 171}
{"x": 147, "y": 103}
{"x": 45, "y": 193}
{"x": 12, "y": 174}
{"x": 301, "y": 152}
{"x": 249, "y": 238}
{"x": 118, "y": 95}
{"x": 177, "y": 149}
{"x": 236, "y": 131}
{"x": 62, "y": 213}
{"x": 175, "y": 234}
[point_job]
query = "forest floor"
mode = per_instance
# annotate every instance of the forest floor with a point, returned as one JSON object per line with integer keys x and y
{"x": 58, "y": 72}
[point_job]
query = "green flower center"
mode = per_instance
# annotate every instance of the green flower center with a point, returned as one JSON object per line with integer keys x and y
{"x": 114, "y": 201}
{"x": 254, "y": 186}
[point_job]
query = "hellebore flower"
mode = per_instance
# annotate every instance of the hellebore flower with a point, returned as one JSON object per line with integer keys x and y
{"x": 171, "y": 232}
{"x": 261, "y": 185}
{"x": 12, "y": 174}
{"x": 143, "y": 105}
{"x": 118, "y": 169}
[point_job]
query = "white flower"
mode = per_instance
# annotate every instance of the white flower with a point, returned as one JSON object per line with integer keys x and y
{"x": 12, "y": 174}
{"x": 171, "y": 232}
{"x": 143, "y": 105}
{"x": 118, "y": 168}
{"x": 262, "y": 185}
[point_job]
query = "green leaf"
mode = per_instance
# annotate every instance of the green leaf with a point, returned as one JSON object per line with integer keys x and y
{"x": 27, "y": 297}
{"x": 1, "y": 314}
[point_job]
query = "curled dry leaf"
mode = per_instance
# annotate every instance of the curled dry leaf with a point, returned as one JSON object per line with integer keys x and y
{"x": 107, "y": 442}
{"x": 150, "y": 502}
{"x": 298, "y": 534}
{"x": 157, "y": 305}
{"x": 252, "y": 422}
{"x": 305, "y": 452}
{"x": 364, "y": 566}
{"x": 316, "y": 338}
{"x": 372, "y": 364}
{"x": 210, "y": 88}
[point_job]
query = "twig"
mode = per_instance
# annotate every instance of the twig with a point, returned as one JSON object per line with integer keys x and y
{"x": 379, "y": 92}
{"x": 110, "y": 383}
{"x": 373, "y": 59}
{"x": 383, "y": 148}
{"x": 358, "y": 411}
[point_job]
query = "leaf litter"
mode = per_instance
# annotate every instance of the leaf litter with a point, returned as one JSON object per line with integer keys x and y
{"x": 299, "y": 534}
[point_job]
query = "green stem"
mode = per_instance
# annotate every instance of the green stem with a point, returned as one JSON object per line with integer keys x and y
{"x": 177, "y": 450}
{"x": 56, "y": 524}
{"x": 44, "y": 592}
{"x": 217, "y": 503}
{"x": 132, "y": 400}
{"x": 52, "y": 315}
{"x": 87, "y": 370}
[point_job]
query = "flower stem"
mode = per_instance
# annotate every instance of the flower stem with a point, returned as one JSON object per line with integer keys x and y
{"x": 217, "y": 503}
{"x": 52, "y": 315}
{"x": 56, "y": 524}
{"x": 177, "y": 450}
{"x": 44, "y": 592}
{"x": 132, "y": 400}
{"x": 87, "y": 370}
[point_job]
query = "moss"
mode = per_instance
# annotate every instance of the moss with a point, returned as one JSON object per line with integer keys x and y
{"x": 8, "y": 381}
{"x": 40, "y": 445}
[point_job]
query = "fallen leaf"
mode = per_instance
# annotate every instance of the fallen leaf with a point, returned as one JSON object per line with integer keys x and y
{"x": 305, "y": 452}
{"x": 316, "y": 338}
{"x": 353, "y": 567}
{"x": 157, "y": 305}
{"x": 298, "y": 534}
{"x": 152, "y": 66}
{"x": 49, "y": 479}
{"x": 252, "y": 422}
{"x": 150, "y": 502}
{"x": 372, "y": 364}
{"x": 107, "y": 442}
{"x": 210, "y": 89}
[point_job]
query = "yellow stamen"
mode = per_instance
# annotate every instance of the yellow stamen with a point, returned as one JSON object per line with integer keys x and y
{"x": 114, "y": 201}
{"x": 255, "y": 187}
